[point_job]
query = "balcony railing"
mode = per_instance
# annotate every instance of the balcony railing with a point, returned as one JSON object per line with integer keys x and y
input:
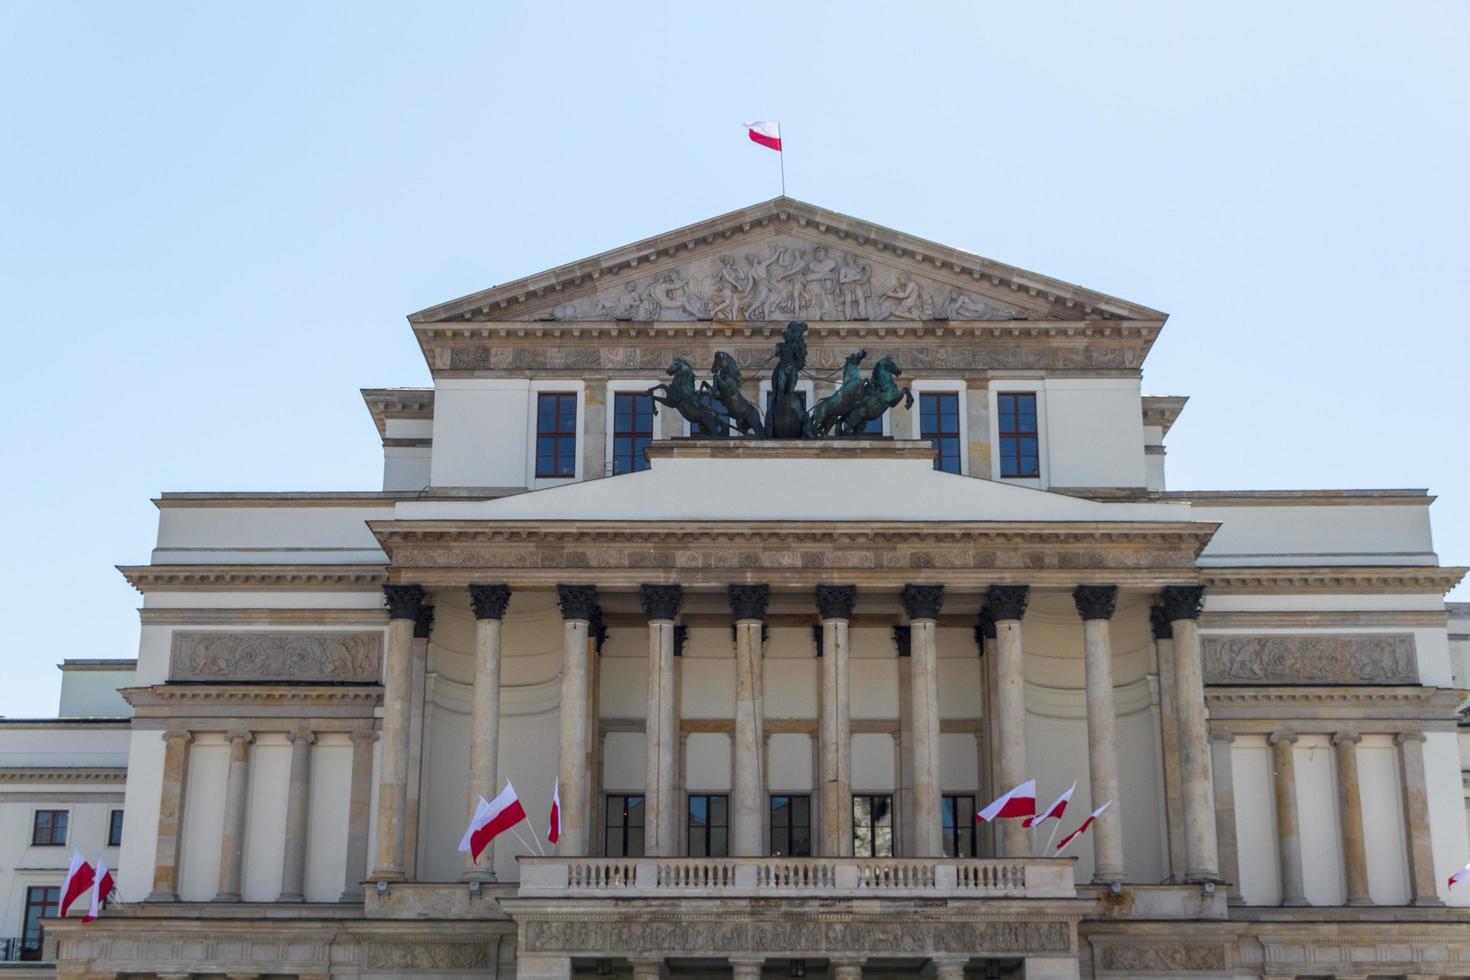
{"x": 15, "y": 948}
{"x": 551, "y": 877}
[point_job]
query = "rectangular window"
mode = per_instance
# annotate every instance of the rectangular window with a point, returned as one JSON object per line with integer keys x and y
{"x": 49, "y": 828}
{"x": 872, "y": 826}
{"x": 556, "y": 434}
{"x": 710, "y": 401}
{"x": 791, "y": 826}
{"x": 709, "y": 826}
{"x": 114, "y": 828}
{"x": 624, "y": 834}
{"x": 1018, "y": 447}
{"x": 632, "y": 431}
{"x": 42, "y": 902}
{"x": 959, "y": 826}
{"x": 939, "y": 422}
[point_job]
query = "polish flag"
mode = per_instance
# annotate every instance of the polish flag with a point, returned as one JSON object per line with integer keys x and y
{"x": 79, "y": 878}
{"x": 101, "y": 888}
{"x": 491, "y": 820}
{"x": 553, "y": 822}
{"x": 1019, "y": 802}
{"x": 767, "y": 134}
{"x": 1462, "y": 875}
{"x": 1054, "y": 811}
{"x": 1085, "y": 824}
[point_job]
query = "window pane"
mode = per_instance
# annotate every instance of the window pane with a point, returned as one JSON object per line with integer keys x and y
{"x": 635, "y": 811}
{"x": 718, "y": 842}
{"x": 718, "y": 808}
{"x": 780, "y": 842}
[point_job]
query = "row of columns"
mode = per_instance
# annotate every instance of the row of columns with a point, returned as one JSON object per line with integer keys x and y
{"x": 1005, "y": 607}
{"x": 1410, "y": 748}
{"x": 236, "y": 802}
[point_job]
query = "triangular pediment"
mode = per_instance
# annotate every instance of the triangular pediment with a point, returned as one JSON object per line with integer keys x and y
{"x": 781, "y": 260}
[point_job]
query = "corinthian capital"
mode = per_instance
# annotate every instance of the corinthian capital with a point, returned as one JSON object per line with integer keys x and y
{"x": 749, "y": 601}
{"x": 836, "y": 601}
{"x": 403, "y": 600}
{"x": 662, "y": 601}
{"x": 922, "y": 601}
{"x": 1095, "y": 601}
{"x": 1007, "y": 601}
{"x": 577, "y": 601}
{"x": 489, "y": 601}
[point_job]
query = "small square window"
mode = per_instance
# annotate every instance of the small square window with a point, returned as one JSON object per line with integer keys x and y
{"x": 959, "y": 826}
{"x": 872, "y": 825}
{"x": 1020, "y": 457}
{"x": 939, "y": 422}
{"x": 709, "y": 825}
{"x": 623, "y": 835}
{"x": 556, "y": 435}
{"x": 791, "y": 826}
{"x": 48, "y": 829}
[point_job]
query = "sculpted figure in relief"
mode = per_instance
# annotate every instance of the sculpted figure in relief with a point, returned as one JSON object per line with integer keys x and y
{"x": 731, "y": 285}
{"x": 820, "y": 284}
{"x": 907, "y": 300}
{"x": 853, "y": 278}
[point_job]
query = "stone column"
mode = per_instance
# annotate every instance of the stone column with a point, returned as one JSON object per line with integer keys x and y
{"x": 1224, "y": 770}
{"x": 1095, "y": 604}
{"x": 358, "y": 803}
{"x": 660, "y": 735}
{"x": 748, "y": 608}
{"x": 170, "y": 816}
{"x": 488, "y": 603}
{"x": 1169, "y": 739}
{"x": 1350, "y": 816}
{"x": 746, "y": 969}
{"x": 1052, "y": 968}
{"x": 578, "y": 610}
{"x": 1182, "y": 605}
{"x": 237, "y": 799}
{"x": 1007, "y": 605}
{"x": 423, "y": 627}
{"x": 835, "y": 604}
{"x": 950, "y": 967}
{"x": 921, "y": 603}
{"x": 646, "y": 969}
{"x": 1422, "y": 883}
{"x": 298, "y": 811}
{"x": 1288, "y": 825}
{"x": 404, "y": 602}
{"x": 986, "y": 747}
{"x": 842, "y": 969}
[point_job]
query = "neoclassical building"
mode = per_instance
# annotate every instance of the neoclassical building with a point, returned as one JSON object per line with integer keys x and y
{"x": 773, "y": 679}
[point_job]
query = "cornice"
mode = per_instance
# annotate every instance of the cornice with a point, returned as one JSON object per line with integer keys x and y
{"x": 261, "y": 578}
{"x": 186, "y": 616}
{"x": 1301, "y": 498}
{"x": 309, "y": 498}
{"x": 528, "y": 296}
{"x": 1433, "y": 579}
{"x": 398, "y": 403}
{"x": 1321, "y": 709}
{"x": 248, "y": 693}
{"x": 1163, "y": 410}
{"x": 63, "y": 774}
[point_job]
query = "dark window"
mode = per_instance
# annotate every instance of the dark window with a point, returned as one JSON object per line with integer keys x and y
{"x": 1018, "y": 455}
{"x": 114, "y": 828}
{"x": 939, "y": 422}
{"x": 791, "y": 826}
{"x": 42, "y": 902}
{"x": 632, "y": 431}
{"x": 556, "y": 434}
{"x": 49, "y": 828}
{"x": 959, "y": 826}
{"x": 710, "y": 401}
{"x": 872, "y": 826}
{"x": 624, "y": 834}
{"x": 709, "y": 826}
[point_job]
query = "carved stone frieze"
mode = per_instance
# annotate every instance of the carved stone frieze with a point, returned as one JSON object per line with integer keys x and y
{"x": 418, "y": 956}
{"x": 1310, "y": 658}
{"x": 276, "y": 656}
{"x": 803, "y": 936}
{"x": 1162, "y": 958}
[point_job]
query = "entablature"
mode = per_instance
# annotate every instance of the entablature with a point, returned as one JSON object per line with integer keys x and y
{"x": 1328, "y": 710}
{"x": 260, "y": 707}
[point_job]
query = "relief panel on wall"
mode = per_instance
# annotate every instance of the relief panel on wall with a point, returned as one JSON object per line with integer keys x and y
{"x": 1310, "y": 658}
{"x": 276, "y": 656}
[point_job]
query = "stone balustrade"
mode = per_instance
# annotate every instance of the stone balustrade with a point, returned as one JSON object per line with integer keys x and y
{"x": 649, "y": 877}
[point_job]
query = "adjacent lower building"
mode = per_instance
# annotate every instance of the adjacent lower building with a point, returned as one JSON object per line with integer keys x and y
{"x": 888, "y": 536}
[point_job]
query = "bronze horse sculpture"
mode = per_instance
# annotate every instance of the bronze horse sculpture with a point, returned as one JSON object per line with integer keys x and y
{"x": 879, "y": 394}
{"x": 681, "y": 396}
{"x": 832, "y": 411}
{"x": 726, "y": 389}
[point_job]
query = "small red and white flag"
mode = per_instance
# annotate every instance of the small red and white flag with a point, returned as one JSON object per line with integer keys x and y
{"x": 491, "y": 820}
{"x": 1462, "y": 875}
{"x": 553, "y": 822}
{"x": 767, "y": 134}
{"x": 1054, "y": 811}
{"x": 1019, "y": 802}
{"x": 1085, "y": 824}
{"x": 101, "y": 888}
{"x": 79, "y": 878}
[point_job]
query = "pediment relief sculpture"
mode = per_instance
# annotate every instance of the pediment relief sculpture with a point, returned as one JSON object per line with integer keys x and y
{"x": 786, "y": 278}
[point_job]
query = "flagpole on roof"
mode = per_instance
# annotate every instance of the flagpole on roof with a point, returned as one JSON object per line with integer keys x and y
{"x": 782, "y": 154}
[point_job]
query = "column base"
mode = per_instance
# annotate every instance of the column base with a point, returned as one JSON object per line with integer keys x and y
{"x": 1361, "y": 901}
{"x": 161, "y": 897}
{"x": 232, "y": 897}
{"x": 392, "y": 877}
{"x": 1295, "y": 903}
{"x": 1108, "y": 878}
{"x": 294, "y": 897}
{"x": 1427, "y": 903}
{"x": 483, "y": 875}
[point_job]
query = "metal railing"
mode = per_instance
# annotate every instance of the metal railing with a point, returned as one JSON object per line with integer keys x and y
{"x": 15, "y": 949}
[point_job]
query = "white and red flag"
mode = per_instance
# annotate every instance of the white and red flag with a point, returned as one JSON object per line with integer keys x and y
{"x": 1462, "y": 875}
{"x": 491, "y": 820}
{"x": 79, "y": 878}
{"x": 767, "y": 134}
{"x": 553, "y": 822}
{"x": 1054, "y": 811}
{"x": 101, "y": 888}
{"x": 1019, "y": 802}
{"x": 1085, "y": 824}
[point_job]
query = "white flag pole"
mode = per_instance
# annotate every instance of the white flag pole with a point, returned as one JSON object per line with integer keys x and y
{"x": 1053, "y": 837}
{"x": 782, "y": 154}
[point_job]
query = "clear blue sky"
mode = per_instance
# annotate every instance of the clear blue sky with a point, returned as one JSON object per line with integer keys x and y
{"x": 213, "y": 219}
